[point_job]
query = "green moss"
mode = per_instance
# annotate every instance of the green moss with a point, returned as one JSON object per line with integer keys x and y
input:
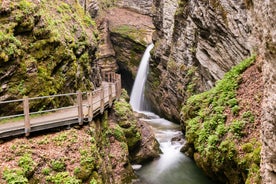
{"x": 38, "y": 43}
{"x": 130, "y": 32}
{"x": 205, "y": 120}
{"x": 14, "y": 176}
{"x": 58, "y": 165}
{"x": 27, "y": 164}
{"x": 46, "y": 171}
{"x": 248, "y": 116}
{"x": 122, "y": 109}
{"x": 62, "y": 177}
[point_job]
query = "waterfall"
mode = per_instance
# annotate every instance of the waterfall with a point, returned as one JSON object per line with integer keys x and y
{"x": 173, "y": 166}
{"x": 137, "y": 93}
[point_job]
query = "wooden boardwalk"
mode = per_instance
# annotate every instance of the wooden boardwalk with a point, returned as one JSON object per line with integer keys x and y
{"x": 87, "y": 106}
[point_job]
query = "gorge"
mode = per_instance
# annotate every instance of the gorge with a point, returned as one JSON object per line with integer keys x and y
{"x": 212, "y": 70}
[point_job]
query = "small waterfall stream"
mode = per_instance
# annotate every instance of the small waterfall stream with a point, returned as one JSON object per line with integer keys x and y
{"x": 172, "y": 167}
{"x": 137, "y": 98}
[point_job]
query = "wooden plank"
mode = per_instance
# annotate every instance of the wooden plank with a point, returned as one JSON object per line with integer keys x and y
{"x": 80, "y": 110}
{"x": 26, "y": 115}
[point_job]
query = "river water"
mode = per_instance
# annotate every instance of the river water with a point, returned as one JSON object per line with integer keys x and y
{"x": 173, "y": 167}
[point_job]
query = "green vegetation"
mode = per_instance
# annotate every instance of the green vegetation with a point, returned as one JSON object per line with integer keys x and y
{"x": 20, "y": 175}
{"x": 126, "y": 128}
{"x": 58, "y": 165}
{"x": 62, "y": 178}
{"x": 131, "y": 32}
{"x": 42, "y": 47}
{"x": 14, "y": 176}
{"x": 46, "y": 171}
{"x": 214, "y": 136}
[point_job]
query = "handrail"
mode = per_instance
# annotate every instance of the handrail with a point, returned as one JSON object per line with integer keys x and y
{"x": 97, "y": 99}
{"x": 51, "y": 96}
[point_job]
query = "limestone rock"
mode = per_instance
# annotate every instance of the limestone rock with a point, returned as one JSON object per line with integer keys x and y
{"x": 130, "y": 33}
{"x": 141, "y": 6}
{"x": 90, "y": 6}
{"x": 265, "y": 33}
{"x": 149, "y": 147}
{"x": 209, "y": 36}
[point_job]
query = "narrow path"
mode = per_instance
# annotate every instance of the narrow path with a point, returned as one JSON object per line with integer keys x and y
{"x": 61, "y": 117}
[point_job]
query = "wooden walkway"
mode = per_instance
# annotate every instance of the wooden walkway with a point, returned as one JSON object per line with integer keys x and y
{"x": 86, "y": 106}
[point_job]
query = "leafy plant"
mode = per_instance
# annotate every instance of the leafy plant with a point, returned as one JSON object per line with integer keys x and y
{"x": 27, "y": 164}
{"x": 14, "y": 176}
{"x": 62, "y": 178}
{"x": 46, "y": 171}
{"x": 58, "y": 165}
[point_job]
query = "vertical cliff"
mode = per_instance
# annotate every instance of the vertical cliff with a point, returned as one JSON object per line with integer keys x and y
{"x": 208, "y": 38}
{"x": 264, "y": 17}
{"x": 143, "y": 7}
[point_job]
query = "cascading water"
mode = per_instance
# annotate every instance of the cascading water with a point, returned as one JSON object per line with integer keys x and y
{"x": 137, "y": 97}
{"x": 172, "y": 167}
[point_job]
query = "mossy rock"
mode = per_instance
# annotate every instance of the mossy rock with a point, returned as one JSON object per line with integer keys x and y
{"x": 37, "y": 46}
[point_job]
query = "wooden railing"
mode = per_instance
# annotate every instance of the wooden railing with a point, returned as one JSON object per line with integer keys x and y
{"x": 87, "y": 105}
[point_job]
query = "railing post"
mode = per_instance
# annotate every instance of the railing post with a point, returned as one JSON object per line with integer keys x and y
{"x": 103, "y": 76}
{"x": 120, "y": 84}
{"x": 102, "y": 99}
{"x": 26, "y": 115}
{"x": 113, "y": 77}
{"x": 110, "y": 94}
{"x": 117, "y": 87}
{"x": 109, "y": 77}
{"x": 90, "y": 108}
{"x": 80, "y": 110}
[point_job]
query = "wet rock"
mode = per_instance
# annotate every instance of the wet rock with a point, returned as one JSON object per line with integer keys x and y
{"x": 149, "y": 146}
{"x": 188, "y": 150}
{"x": 178, "y": 139}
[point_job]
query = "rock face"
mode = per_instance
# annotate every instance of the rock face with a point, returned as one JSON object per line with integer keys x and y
{"x": 149, "y": 146}
{"x": 44, "y": 50}
{"x": 208, "y": 38}
{"x": 142, "y": 6}
{"x": 105, "y": 53}
{"x": 130, "y": 33}
{"x": 264, "y": 15}
{"x": 91, "y": 6}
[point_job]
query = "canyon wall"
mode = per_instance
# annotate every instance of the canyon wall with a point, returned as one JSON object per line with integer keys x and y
{"x": 143, "y": 7}
{"x": 264, "y": 17}
{"x": 205, "y": 38}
